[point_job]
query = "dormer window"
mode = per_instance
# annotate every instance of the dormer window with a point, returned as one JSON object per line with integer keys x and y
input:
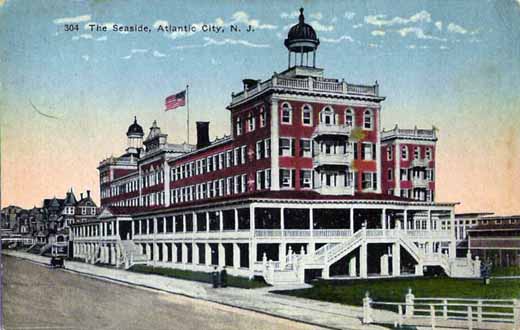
{"x": 368, "y": 120}
{"x": 286, "y": 114}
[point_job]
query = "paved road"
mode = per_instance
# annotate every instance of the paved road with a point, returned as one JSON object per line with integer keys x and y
{"x": 36, "y": 297}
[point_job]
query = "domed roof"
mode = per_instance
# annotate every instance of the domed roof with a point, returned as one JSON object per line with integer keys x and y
{"x": 302, "y": 37}
{"x": 135, "y": 128}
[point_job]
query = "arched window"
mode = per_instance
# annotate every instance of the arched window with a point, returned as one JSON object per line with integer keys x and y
{"x": 307, "y": 115}
{"x": 368, "y": 119}
{"x": 350, "y": 118}
{"x": 286, "y": 113}
{"x": 327, "y": 116}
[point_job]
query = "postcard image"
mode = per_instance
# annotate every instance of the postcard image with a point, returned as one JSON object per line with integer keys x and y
{"x": 260, "y": 165}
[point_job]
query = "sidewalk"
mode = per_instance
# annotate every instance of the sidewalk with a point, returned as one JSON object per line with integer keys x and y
{"x": 329, "y": 315}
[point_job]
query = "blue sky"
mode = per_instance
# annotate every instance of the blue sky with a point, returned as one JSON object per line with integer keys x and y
{"x": 452, "y": 64}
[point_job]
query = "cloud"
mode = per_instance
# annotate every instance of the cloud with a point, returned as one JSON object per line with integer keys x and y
{"x": 137, "y": 50}
{"x": 378, "y": 33}
{"x": 418, "y": 32}
{"x": 244, "y": 18}
{"x": 411, "y": 46}
{"x": 454, "y": 28}
{"x": 380, "y": 20}
{"x": 83, "y": 36}
{"x": 321, "y": 27}
{"x": 338, "y": 40}
{"x": 103, "y": 38}
{"x": 372, "y": 45}
{"x": 443, "y": 47}
{"x": 227, "y": 41}
{"x": 349, "y": 15}
{"x": 69, "y": 20}
{"x": 127, "y": 57}
{"x": 438, "y": 25}
{"x": 357, "y": 26}
{"x": 293, "y": 14}
{"x": 85, "y": 57}
{"x": 156, "y": 53}
{"x": 317, "y": 15}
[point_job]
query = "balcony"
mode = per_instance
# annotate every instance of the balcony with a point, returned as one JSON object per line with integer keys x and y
{"x": 302, "y": 233}
{"x": 420, "y": 162}
{"x": 332, "y": 159}
{"x": 420, "y": 183}
{"x": 338, "y": 130}
{"x": 311, "y": 84}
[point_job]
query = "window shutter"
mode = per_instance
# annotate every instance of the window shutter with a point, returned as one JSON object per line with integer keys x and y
{"x": 374, "y": 157}
{"x": 293, "y": 178}
{"x": 280, "y": 147}
{"x": 374, "y": 180}
{"x": 363, "y": 152}
{"x": 355, "y": 150}
{"x": 301, "y": 148}
{"x": 355, "y": 182}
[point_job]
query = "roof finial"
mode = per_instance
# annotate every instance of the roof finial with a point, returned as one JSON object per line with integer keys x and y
{"x": 135, "y": 119}
{"x": 301, "y": 18}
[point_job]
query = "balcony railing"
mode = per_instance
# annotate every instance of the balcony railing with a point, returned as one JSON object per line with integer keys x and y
{"x": 332, "y": 129}
{"x": 276, "y": 233}
{"x": 333, "y": 159}
{"x": 341, "y": 190}
{"x": 420, "y": 183}
{"x": 420, "y": 162}
{"x": 309, "y": 84}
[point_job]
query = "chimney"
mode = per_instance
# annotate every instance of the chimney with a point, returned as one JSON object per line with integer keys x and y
{"x": 202, "y": 134}
{"x": 88, "y": 193}
{"x": 81, "y": 196}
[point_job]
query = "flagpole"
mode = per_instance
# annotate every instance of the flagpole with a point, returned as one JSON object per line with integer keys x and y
{"x": 188, "y": 114}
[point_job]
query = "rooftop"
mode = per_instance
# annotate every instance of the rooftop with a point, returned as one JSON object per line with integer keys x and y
{"x": 413, "y": 134}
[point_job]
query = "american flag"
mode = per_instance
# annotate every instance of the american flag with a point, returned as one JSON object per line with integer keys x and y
{"x": 176, "y": 100}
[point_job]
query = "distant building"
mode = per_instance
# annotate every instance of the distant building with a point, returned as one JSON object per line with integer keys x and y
{"x": 10, "y": 217}
{"x": 496, "y": 239}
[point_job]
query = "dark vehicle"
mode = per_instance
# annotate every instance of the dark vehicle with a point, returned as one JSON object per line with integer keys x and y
{"x": 58, "y": 254}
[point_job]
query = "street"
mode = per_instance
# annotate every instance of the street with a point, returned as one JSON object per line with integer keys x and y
{"x": 36, "y": 297}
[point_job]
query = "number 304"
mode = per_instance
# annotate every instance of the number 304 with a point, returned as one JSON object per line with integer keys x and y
{"x": 71, "y": 27}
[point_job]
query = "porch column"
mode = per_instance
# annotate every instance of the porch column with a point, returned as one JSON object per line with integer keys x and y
{"x": 118, "y": 255}
{"x": 396, "y": 259}
{"x": 117, "y": 227}
{"x": 383, "y": 219}
{"x": 235, "y": 212}
{"x": 174, "y": 253}
{"x": 453, "y": 246}
{"x": 405, "y": 219}
{"x": 165, "y": 252}
{"x": 384, "y": 265}
{"x": 221, "y": 220}
{"x": 252, "y": 242}
{"x": 112, "y": 254}
{"x": 221, "y": 255}
{"x": 352, "y": 270}
{"x": 195, "y": 253}
{"x": 184, "y": 253}
{"x": 352, "y": 220}
{"x": 363, "y": 260}
{"x": 281, "y": 254}
{"x": 207, "y": 251}
{"x": 236, "y": 256}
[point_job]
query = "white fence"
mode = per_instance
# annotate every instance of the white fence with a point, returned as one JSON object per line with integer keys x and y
{"x": 468, "y": 313}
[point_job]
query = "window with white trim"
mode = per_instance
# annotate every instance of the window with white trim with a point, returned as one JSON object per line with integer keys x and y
{"x": 327, "y": 116}
{"x": 238, "y": 126}
{"x": 349, "y": 117}
{"x": 243, "y": 154}
{"x": 390, "y": 174}
{"x": 429, "y": 153}
{"x": 267, "y": 148}
{"x": 389, "y": 152}
{"x": 404, "y": 152}
{"x": 286, "y": 114}
{"x": 368, "y": 119}
{"x": 305, "y": 179}
{"x": 286, "y": 147}
{"x": 263, "y": 117}
{"x": 287, "y": 178}
{"x": 417, "y": 153}
{"x": 243, "y": 186}
{"x": 305, "y": 148}
{"x": 250, "y": 122}
{"x": 306, "y": 115}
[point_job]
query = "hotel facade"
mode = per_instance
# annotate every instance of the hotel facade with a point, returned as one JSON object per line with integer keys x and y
{"x": 306, "y": 185}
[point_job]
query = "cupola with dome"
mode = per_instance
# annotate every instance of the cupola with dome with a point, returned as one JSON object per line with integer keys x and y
{"x": 302, "y": 40}
{"x": 135, "y": 136}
